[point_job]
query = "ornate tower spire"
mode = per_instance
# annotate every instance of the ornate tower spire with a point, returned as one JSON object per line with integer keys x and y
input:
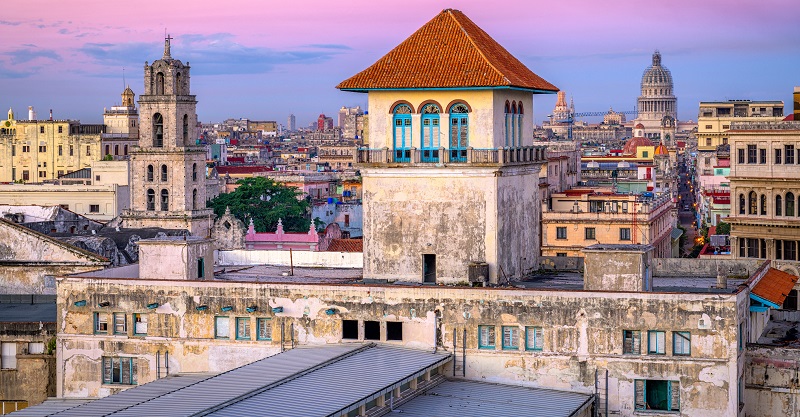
{"x": 167, "y": 55}
{"x": 656, "y": 58}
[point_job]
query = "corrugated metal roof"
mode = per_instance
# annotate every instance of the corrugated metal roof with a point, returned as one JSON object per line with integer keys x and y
{"x": 340, "y": 385}
{"x": 49, "y": 407}
{"x": 27, "y": 312}
{"x": 469, "y": 398}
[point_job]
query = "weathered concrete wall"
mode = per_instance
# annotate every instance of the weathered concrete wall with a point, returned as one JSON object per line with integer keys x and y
{"x": 771, "y": 378}
{"x": 448, "y": 212}
{"x": 561, "y": 263}
{"x": 33, "y": 378}
{"x": 299, "y": 258}
{"x": 176, "y": 258}
{"x": 618, "y": 268}
{"x": 582, "y": 332}
{"x": 666, "y": 267}
{"x": 518, "y": 208}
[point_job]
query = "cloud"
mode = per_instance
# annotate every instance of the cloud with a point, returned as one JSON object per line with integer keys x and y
{"x": 21, "y": 56}
{"x": 9, "y": 23}
{"x": 330, "y": 46}
{"x": 212, "y": 54}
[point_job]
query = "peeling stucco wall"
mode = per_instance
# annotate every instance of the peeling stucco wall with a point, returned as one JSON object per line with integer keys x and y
{"x": 582, "y": 332}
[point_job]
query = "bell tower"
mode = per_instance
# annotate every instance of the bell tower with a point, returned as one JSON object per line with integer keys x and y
{"x": 168, "y": 171}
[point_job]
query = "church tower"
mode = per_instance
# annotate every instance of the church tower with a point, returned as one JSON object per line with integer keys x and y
{"x": 168, "y": 180}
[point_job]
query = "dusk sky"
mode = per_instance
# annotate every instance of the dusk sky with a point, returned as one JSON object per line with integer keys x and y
{"x": 263, "y": 59}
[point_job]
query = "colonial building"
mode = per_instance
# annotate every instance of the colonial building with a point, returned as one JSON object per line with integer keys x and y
{"x": 765, "y": 186}
{"x": 715, "y": 117}
{"x": 168, "y": 181}
{"x": 33, "y": 151}
{"x": 122, "y": 127}
{"x": 451, "y": 176}
{"x": 657, "y": 105}
{"x": 578, "y": 218}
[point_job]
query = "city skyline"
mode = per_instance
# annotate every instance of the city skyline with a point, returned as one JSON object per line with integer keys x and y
{"x": 265, "y": 63}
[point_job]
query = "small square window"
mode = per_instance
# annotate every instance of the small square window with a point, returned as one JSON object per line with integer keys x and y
{"x": 264, "y": 329}
{"x": 120, "y": 323}
{"x": 631, "y": 342}
{"x": 243, "y": 328}
{"x": 222, "y": 329}
{"x": 350, "y": 329}
{"x": 35, "y": 348}
{"x": 486, "y": 339}
{"x": 656, "y": 341}
{"x": 624, "y": 233}
{"x": 394, "y": 330}
{"x": 139, "y": 324}
{"x": 119, "y": 371}
{"x": 589, "y": 233}
{"x": 372, "y": 330}
{"x": 561, "y": 232}
{"x": 681, "y": 343}
{"x": 94, "y": 208}
{"x": 534, "y": 338}
{"x": 652, "y": 395}
{"x": 510, "y": 338}
{"x": 100, "y": 323}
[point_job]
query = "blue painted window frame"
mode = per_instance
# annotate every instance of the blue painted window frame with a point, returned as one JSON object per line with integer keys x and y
{"x": 459, "y": 132}
{"x": 110, "y": 364}
{"x": 682, "y": 343}
{"x": 510, "y": 336}
{"x": 135, "y": 316}
{"x": 243, "y": 332}
{"x": 640, "y": 403}
{"x": 267, "y": 330}
{"x": 654, "y": 348}
{"x": 401, "y": 124}
{"x": 488, "y": 340}
{"x": 431, "y": 128}
{"x": 534, "y": 338}
{"x": 97, "y": 323}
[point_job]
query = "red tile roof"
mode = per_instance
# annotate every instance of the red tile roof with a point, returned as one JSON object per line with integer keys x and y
{"x": 775, "y": 286}
{"x": 346, "y": 245}
{"x": 449, "y": 51}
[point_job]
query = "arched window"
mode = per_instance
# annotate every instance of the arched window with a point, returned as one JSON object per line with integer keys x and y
{"x": 430, "y": 133}
{"x": 789, "y": 204}
{"x": 151, "y": 200}
{"x": 778, "y": 205}
{"x": 160, "y": 83}
{"x": 178, "y": 89}
{"x": 763, "y": 205}
{"x": 507, "y": 126}
{"x": 459, "y": 131}
{"x": 116, "y": 150}
{"x": 186, "y": 130}
{"x": 194, "y": 199}
{"x": 164, "y": 200}
{"x": 741, "y": 203}
{"x": 163, "y": 173}
{"x": 158, "y": 130}
{"x": 402, "y": 133}
{"x": 150, "y": 173}
{"x": 194, "y": 172}
{"x": 513, "y": 124}
{"x": 752, "y": 202}
{"x": 519, "y": 124}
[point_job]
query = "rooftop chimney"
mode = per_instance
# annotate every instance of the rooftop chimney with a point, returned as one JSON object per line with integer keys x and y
{"x": 722, "y": 278}
{"x": 51, "y": 115}
{"x": 31, "y": 113}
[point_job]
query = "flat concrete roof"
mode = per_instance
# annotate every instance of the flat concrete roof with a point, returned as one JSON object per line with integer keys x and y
{"x": 688, "y": 284}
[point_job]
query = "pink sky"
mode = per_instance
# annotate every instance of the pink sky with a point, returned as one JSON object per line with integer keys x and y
{"x": 266, "y": 59}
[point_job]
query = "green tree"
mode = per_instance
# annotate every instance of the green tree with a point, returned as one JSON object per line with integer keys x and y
{"x": 723, "y": 228}
{"x": 265, "y": 201}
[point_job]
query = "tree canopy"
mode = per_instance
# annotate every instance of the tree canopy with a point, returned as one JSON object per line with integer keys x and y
{"x": 265, "y": 201}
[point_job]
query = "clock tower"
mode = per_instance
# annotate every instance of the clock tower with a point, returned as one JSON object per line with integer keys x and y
{"x": 168, "y": 169}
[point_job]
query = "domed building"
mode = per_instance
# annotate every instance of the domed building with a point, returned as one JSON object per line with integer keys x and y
{"x": 632, "y": 145}
{"x": 657, "y": 105}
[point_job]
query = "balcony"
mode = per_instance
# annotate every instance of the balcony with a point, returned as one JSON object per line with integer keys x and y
{"x": 468, "y": 156}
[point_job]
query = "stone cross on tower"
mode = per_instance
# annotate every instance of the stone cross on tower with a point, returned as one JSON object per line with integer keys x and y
{"x": 167, "y": 38}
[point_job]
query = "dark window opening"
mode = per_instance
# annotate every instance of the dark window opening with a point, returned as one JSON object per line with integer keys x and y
{"x": 349, "y": 329}
{"x": 429, "y": 268}
{"x": 372, "y": 330}
{"x": 394, "y": 330}
{"x": 790, "y": 303}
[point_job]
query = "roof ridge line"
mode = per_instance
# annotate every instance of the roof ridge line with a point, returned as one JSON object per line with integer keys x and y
{"x": 61, "y": 244}
{"x": 298, "y": 374}
{"x": 472, "y": 41}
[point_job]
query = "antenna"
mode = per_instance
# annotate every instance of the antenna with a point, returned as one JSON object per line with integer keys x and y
{"x": 123, "y": 79}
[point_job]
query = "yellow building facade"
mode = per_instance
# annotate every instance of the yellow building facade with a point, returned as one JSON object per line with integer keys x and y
{"x": 581, "y": 218}
{"x": 33, "y": 151}
{"x": 715, "y": 118}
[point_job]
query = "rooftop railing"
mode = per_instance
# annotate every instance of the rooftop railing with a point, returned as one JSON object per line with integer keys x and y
{"x": 475, "y": 156}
